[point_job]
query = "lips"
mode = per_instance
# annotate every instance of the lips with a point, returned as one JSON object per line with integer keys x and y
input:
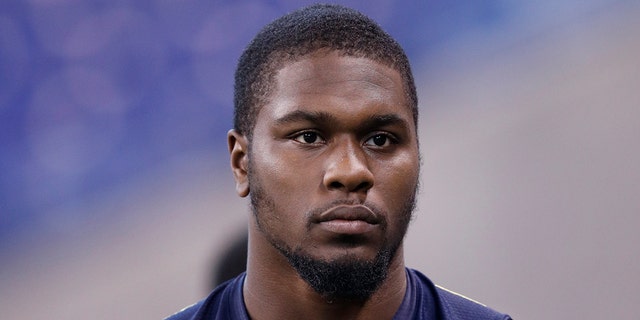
{"x": 348, "y": 219}
{"x": 349, "y": 212}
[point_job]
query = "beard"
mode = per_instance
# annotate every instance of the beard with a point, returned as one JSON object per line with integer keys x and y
{"x": 348, "y": 278}
{"x": 345, "y": 279}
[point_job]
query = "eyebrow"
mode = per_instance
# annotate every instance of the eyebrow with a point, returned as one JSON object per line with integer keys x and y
{"x": 300, "y": 115}
{"x": 320, "y": 117}
{"x": 382, "y": 120}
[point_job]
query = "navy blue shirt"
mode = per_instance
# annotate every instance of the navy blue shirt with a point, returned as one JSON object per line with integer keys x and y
{"x": 422, "y": 301}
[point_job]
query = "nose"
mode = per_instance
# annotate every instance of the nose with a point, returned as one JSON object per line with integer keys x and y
{"x": 347, "y": 169}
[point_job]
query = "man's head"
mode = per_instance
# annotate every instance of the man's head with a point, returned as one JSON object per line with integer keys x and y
{"x": 326, "y": 146}
{"x": 301, "y": 32}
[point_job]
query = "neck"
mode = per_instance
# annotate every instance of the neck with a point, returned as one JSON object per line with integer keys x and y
{"x": 274, "y": 290}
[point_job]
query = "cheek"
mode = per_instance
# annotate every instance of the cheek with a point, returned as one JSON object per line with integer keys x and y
{"x": 274, "y": 173}
{"x": 286, "y": 168}
{"x": 397, "y": 181}
{"x": 284, "y": 180}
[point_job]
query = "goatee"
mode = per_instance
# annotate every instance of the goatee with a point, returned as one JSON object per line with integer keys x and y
{"x": 346, "y": 279}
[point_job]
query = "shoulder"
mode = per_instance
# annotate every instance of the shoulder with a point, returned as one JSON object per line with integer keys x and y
{"x": 454, "y": 306}
{"x": 225, "y": 302}
{"x": 457, "y": 306}
{"x": 187, "y": 313}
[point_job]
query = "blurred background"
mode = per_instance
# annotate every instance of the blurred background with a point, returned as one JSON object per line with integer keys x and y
{"x": 116, "y": 200}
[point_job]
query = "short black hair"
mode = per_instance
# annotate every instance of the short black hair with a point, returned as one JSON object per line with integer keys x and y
{"x": 305, "y": 31}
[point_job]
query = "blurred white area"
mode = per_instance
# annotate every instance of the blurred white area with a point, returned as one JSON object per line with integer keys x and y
{"x": 529, "y": 199}
{"x": 531, "y": 179}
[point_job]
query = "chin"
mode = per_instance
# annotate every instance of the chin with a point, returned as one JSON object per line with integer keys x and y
{"x": 345, "y": 255}
{"x": 351, "y": 275}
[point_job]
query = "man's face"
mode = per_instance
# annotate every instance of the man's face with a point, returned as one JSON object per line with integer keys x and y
{"x": 333, "y": 162}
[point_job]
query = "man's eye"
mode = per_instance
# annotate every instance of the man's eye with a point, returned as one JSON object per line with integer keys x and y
{"x": 308, "y": 137}
{"x": 379, "y": 140}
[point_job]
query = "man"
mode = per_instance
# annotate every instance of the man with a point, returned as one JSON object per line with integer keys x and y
{"x": 325, "y": 144}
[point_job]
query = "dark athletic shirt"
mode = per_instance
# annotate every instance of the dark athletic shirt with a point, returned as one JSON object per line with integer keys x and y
{"x": 422, "y": 301}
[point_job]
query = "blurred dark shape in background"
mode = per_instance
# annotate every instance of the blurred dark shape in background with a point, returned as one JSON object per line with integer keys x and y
{"x": 232, "y": 261}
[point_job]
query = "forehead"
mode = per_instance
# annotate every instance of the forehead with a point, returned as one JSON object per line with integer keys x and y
{"x": 330, "y": 81}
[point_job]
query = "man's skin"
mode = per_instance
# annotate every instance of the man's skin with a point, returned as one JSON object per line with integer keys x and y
{"x": 335, "y": 145}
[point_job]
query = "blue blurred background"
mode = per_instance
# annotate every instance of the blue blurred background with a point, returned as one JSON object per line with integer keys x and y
{"x": 115, "y": 193}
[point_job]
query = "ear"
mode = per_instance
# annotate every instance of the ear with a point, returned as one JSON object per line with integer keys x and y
{"x": 239, "y": 156}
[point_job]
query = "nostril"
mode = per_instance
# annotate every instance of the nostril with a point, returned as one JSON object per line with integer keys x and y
{"x": 363, "y": 186}
{"x": 335, "y": 185}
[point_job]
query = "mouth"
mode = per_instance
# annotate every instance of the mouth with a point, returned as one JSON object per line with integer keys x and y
{"x": 348, "y": 220}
